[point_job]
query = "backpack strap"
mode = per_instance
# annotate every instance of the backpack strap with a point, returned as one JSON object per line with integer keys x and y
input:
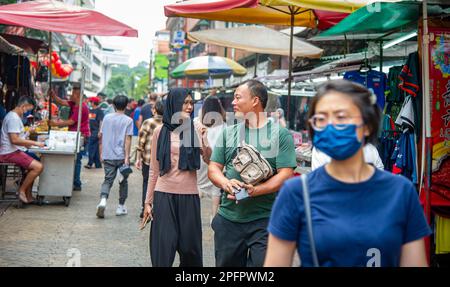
{"x": 307, "y": 204}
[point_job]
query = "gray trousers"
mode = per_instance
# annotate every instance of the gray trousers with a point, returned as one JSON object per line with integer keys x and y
{"x": 239, "y": 244}
{"x": 111, "y": 167}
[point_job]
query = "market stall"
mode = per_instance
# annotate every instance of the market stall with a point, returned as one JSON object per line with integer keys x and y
{"x": 55, "y": 16}
{"x": 414, "y": 96}
{"x": 57, "y": 157}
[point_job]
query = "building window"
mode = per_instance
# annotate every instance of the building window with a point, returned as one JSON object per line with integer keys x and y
{"x": 97, "y": 61}
{"x": 95, "y": 78}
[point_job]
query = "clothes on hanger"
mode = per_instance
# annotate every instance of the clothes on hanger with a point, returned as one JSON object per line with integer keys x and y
{"x": 411, "y": 83}
{"x": 374, "y": 80}
{"x": 410, "y": 75}
{"x": 394, "y": 94}
{"x": 404, "y": 156}
{"x": 387, "y": 141}
{"x": 406, "y": 116}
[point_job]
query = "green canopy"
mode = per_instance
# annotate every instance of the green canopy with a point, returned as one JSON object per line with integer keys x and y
{"x": 387, "y": 17}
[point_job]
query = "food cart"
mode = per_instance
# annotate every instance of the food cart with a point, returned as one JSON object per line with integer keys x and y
{"x": 58, "y": 158}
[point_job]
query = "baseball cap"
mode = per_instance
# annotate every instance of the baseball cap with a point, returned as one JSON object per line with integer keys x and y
{"x": 94, "y": 100}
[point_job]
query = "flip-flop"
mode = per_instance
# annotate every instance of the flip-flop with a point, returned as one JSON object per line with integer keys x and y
{"x": 22, "y": 196}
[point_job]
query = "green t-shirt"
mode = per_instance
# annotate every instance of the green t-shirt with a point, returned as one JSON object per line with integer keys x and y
{"x": 275, "y": 143}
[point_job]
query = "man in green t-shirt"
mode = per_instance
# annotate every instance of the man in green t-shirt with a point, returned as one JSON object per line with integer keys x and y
{"x": 240, "y": 228}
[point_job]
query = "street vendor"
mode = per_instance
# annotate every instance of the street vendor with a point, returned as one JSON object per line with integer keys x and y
{"x": 72, "y": 123}
{"x": 13, "y": 144}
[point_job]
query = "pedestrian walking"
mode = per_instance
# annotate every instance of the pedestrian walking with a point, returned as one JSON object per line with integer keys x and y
{"x": 356, "y": 215}
{"x": 146, "y": 111}
{"x": 172, "y": 197}
{"x": 240, "y": 229}
{"x": 95, "y": 122}
{"x": 115, "y": 143}
{"x": 105, "y": 104}
{"x": 144, "y": 146}
{"x": 210, "y": 124}
{"x": 136, "y": 127}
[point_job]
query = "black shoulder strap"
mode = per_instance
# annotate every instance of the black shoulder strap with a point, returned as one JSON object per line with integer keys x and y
{"x": 307, "y": 204}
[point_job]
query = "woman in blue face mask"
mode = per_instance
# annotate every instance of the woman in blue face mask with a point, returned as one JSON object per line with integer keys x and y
{"x": 356, "y": 215}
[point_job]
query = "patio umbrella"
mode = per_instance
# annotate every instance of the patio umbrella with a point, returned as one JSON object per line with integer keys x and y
{"x": 269, "y": 12}
{"x": 208, "y": 67}
{"x": 254, "y": 39}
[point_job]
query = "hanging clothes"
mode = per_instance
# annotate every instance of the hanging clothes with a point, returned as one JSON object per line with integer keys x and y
{"x": 374, "y": 80}
{"x": 394, "y": 95}
{"x": 405, "y": 156}
{"x": 386, "y": 142}
{"x": 406, "y": 116}
{"x": 410, "y": 82}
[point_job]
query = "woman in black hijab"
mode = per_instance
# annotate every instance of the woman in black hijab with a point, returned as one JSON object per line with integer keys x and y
{"x": 172, "y": 199}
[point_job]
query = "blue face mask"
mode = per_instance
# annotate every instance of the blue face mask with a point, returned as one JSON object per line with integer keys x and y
{"x": 337, "y": 144}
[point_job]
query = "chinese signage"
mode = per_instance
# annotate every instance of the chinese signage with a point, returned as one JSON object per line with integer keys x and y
{"x": 440, "y": 94}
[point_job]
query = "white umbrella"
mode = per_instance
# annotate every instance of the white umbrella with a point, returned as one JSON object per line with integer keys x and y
{"x": 256, "y": 39}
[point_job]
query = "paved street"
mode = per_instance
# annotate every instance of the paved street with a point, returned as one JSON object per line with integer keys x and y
{"x": 53, "y": 235}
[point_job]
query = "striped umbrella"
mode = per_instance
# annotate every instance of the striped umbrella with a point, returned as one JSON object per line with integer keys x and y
{"x": 206, "y": 67}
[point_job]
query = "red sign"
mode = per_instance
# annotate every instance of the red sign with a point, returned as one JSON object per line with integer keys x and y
{"x": 440, "y": 97}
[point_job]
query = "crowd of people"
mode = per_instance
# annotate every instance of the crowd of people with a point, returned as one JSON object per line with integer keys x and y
{"x": 347, "y": 212}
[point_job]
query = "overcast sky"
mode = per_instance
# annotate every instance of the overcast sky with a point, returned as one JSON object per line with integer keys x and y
{"x": 147, "y": 16}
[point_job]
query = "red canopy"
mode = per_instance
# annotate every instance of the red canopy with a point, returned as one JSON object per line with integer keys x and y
{"x": 55, "y": 16}
{"x": 202, "y": 6}
{"x": 328, "y": 19}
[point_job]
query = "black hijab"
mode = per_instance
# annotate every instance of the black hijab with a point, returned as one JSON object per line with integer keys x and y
{"x": 189, "y": 147}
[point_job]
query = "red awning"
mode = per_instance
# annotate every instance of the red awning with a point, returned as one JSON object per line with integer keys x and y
{"x": 202, "y": 6}
{"x": 55, "y": 16}
{"x": 328, "y": 19}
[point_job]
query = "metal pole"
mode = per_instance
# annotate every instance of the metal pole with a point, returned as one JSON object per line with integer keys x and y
{"x": 256, "y": 65}
{"x": 50, "y": 79}
{"x": 381, "y": 56}
{"x": 427, "y": 140}
{"x": 291, "y": 44}
{"x": 80, "y": 107}
{"x": 225, "y": 54}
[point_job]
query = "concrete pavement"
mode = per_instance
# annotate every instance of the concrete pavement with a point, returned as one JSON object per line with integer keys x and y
{"x": 55, "y": 235}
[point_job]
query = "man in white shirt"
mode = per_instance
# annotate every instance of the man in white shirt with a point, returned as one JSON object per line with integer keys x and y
{"x": 13, "y": 143}
{"x": 371, "y": 156}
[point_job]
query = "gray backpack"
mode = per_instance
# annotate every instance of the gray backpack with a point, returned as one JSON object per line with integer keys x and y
{"x": 251, "y": 165}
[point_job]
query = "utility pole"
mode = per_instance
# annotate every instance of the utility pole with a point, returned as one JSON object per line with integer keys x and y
{"x": 150, "y": 69}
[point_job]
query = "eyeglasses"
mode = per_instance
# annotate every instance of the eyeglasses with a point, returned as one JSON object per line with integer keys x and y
{"x": 340, "y": 122}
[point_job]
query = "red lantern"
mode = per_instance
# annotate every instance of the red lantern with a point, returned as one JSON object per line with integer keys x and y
{"x": 55, "y": 55}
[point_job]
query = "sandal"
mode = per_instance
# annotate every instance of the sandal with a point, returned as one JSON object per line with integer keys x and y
{"x": 23, "y": 198}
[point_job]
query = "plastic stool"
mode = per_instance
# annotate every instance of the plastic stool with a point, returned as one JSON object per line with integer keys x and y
{"x": 14, "y": 172}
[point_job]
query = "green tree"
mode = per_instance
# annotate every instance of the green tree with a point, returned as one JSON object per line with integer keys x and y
{"x": 118, "y": 84}
{"x": 131, "y": 81}
{"x": 141, "y": 87}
